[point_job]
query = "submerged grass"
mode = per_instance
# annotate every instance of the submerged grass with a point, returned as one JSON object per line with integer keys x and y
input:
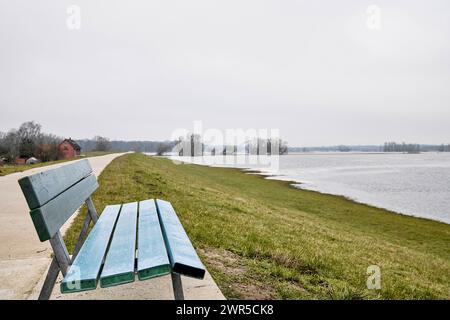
{"x": 264, "y": 239}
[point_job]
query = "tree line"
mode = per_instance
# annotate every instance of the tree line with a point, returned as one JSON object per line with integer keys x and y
{"x": 100, "y": 143}
{"x": 444, "y": 148}
{"x": 401, "y": 147}
{"x": 28, "y": 141}
{"x": 192, "y": 145}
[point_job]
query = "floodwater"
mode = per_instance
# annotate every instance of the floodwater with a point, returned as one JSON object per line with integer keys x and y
{"x": 412, "y": 184}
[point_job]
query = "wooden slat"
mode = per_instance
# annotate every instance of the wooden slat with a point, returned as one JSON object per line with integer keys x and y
{"x": 152, "y": 255}
{"x": 120, "y": 259}
{"x": 182, "y": 255}
{"x": 85, "y": 270}
{"x": 51, "y": 216}
{"x": 40, "y": 188}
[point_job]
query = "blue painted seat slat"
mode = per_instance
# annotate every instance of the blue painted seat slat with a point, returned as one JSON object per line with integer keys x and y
{"x": 85, "y": 270}
{"x": 120, "y": 259}
{"x": 152, "y": 255}
{"x": 183, "y": 257}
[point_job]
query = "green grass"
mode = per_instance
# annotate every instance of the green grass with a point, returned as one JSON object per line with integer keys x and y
{"x": 8, "y": 169}
{"x": 264, "y": 239}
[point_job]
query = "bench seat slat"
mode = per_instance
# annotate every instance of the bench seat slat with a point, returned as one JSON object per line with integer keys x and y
{"x": 152, "y": 254}
{"x": 183, "y": 257}
{"x": 85, "y": 270}
{"x": 120, "y": 259}
{"x": 49, "y": 218}
{"x": 40, "y": 188}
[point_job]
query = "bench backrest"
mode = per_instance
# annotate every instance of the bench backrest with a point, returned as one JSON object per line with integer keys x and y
{"x": 54, "y": 195}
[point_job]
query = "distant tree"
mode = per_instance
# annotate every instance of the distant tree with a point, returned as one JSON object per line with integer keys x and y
{"x": 189, "y": 146}
{"x": 259, "y": 146}
{"x": 197, "y": 147}
{"x": 3, "y": 147}
{"x": 29, "y": 134}
{"x": 403, "y": 147}
{"x": 180, "y": 146}
{"x": 22, "y": 142}
{"x": 163, "y": 148}
{"x": 277, "y": 146}
{"x": 283, "y": 147}
{"x": 342, "y": 148}
{"x": 11, "y": 144}
{"x": 136, "y": 147}
{"x": 102, "y": 143}
{"x": 48, "y": 147}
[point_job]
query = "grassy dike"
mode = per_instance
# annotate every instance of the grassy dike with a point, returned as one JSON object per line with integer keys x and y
{"x": 264, "y": 239}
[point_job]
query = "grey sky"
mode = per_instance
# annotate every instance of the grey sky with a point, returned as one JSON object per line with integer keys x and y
{"x": 313, "y": 69}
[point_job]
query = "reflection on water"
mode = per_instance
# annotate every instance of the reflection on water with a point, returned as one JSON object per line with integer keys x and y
{"x": 414, "y": 184}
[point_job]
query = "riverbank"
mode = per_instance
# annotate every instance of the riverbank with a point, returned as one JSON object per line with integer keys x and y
{"x": 410, "y": 184}
{"x": 263, "y": 238}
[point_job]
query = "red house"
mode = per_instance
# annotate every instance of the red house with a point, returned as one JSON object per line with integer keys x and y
{"x": 68, "y": 149}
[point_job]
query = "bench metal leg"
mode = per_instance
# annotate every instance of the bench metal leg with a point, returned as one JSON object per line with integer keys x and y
{"x": 61, "y": 254}
{"x": 91, "y": 209}
{"x": 177, "y": 286}
{"x": 82, "y": 236}
{"x": 50, "y": 281}
{"x": 62, "y": 261}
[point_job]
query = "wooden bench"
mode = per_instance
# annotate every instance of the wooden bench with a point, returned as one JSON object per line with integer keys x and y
{"x": 144, "y": 238}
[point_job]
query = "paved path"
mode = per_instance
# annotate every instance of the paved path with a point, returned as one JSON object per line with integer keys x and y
{"x": 24, "y": 259}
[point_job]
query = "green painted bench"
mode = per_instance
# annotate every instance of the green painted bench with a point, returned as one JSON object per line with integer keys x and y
{"x": 144, "y": 238}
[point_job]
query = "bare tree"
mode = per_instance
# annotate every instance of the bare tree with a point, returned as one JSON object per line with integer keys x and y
{"x": 276, "y": 146}
{"x": 48, "y": 147}
{"x": 29, "y": 134}
{"x": 102, "y": 143}
{"x": 28, "y": 141}
{"x": 197, "y": 146}
{"x": 3, "y": 147}
{"x": 11, "y": 142}
{"x": 163, "y": 148}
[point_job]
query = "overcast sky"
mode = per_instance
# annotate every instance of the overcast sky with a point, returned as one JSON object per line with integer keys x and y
{"x": 313, "y": 69}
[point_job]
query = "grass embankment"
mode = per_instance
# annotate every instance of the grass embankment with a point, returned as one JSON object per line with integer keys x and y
{"x": 264, "y": 239}
{"x": 8, "y": 169}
